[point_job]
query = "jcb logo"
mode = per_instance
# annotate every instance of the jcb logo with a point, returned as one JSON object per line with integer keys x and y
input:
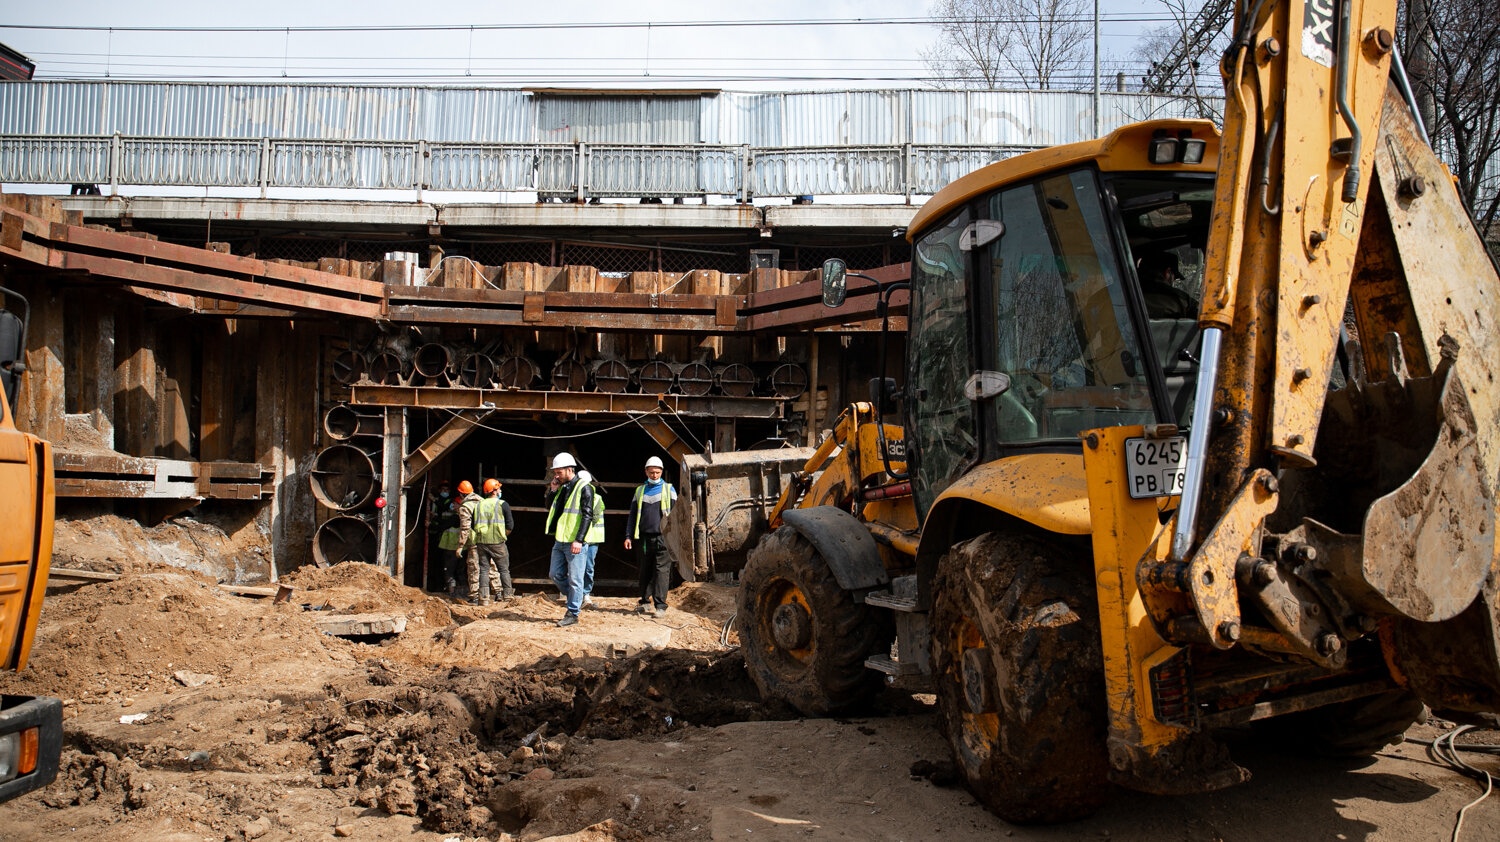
{"x": 895, "y": 449}
{"x": 1318, "y": 31}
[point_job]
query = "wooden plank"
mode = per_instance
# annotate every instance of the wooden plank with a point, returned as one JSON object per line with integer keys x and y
{"x": 216, "y": 262}
{"x": 218, "y": 287}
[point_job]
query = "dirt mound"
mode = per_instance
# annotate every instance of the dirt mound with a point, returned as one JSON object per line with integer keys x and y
{"x": 115, "y": 640}
{"x": 231, "y": 545}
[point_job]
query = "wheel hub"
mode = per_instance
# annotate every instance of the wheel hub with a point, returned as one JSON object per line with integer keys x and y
{"x": 791, "y": 626}
{"x": 979, "y": 681}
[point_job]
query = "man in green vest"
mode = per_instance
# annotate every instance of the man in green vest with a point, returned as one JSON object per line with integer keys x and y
{"x": 570, "y": 516}
{"x": 651, "y": 504}
{"x": 484, "y": 523}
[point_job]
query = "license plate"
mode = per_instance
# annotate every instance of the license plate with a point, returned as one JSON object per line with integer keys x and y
{"x": 1155, "y": 467}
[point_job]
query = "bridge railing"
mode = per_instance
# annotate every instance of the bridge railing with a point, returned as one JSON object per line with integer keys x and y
{"x": 577, "y": 171}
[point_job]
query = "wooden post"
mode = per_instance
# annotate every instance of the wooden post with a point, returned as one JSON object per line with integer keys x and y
{"x": 392, "y": 538}
{"x": 43, "y": 397}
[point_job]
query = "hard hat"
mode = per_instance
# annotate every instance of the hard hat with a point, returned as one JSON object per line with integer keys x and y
{"x": 465, "y": 487}
{"x": 491, "y": 485}
{"x": 563, "y": 460}
{"x": 653, "y": 462}
{"x": 585, "y": 477}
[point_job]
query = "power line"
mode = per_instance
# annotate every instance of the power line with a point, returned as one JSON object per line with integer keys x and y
{"x": 569, "y": 25}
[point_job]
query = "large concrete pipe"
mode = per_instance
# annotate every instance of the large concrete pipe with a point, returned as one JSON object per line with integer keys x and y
{"x": 736, "y": 380}
{"x": 612, "y": 376}
{"x": 476, "y": 371}
{"x": 788, "y": 380}
{"x": 516, "y": 372}
{"x": 344, "y": 477}
{"x": 657, "y": 377}
{"x": 344, "y": 538}
{"x": 342, "y": 422}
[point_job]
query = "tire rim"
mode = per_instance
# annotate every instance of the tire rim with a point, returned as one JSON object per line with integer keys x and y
{"x": 786, "y": 620}
{"x": 973, "y": 679}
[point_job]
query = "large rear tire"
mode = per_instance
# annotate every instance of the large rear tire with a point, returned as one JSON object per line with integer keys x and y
{"x": 1020, "y": 676}
{"x": 804, "y": 638}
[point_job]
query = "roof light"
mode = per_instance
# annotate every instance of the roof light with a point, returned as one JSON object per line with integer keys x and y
{"x": 1192, "y": 148}
{"x": 1163, "y": 149}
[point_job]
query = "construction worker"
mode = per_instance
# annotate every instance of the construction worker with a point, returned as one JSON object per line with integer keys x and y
{"x": 484, "y": 523}
{"x": 570, "y": 514}
{"x": 593, "y": 539}
{"x": 442, "y": 524}
{"x": 650, "y": 506}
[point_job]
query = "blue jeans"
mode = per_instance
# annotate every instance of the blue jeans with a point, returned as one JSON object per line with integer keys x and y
{"x": 592, "y": 551}
{"x": 568, "y": 572}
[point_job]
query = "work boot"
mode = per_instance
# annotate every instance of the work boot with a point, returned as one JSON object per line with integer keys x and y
{"x": 588, "y": 601}
{"x": 568, "y": 620}
{"x": 508, "y": 596}
{"x": 643, "y": 608}
{"x": 660, "y": 613}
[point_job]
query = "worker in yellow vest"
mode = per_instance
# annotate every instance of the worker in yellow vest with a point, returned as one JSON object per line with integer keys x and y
{"x": 650, "y": 506}
{"x": 570, "y": 516}
{"x": 484, "y": 524}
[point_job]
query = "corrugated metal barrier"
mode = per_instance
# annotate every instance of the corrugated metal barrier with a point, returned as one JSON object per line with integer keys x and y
{"x": 560, "y": 145}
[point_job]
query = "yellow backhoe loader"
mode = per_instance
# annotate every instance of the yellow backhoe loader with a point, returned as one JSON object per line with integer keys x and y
{"x": 1199, "y": 430}
{"x": 30, "y": 727}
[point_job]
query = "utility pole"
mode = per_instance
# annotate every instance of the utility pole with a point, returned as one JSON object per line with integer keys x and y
{"x": 1098, "y": 123}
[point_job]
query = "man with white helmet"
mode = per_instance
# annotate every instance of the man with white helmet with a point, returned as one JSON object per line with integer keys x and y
{"x": 570, "y": 515}
{"x": 651, "y": 504}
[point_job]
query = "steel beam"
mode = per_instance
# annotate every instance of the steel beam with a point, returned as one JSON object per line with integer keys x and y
{"x": 573, "y": 403}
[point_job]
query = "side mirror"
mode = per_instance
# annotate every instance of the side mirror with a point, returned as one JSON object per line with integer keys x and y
{"x": 883, "y": 392}
{"x": 835, "y": 282}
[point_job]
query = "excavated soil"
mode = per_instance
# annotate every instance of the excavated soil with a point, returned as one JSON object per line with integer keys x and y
{"x": 193, "y": 713}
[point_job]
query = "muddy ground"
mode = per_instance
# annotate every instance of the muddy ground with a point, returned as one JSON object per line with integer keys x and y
{"x": 491, "y": 723}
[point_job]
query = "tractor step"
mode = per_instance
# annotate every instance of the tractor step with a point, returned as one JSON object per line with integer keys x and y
{"x": 902, "y": 595}
{"x": 883, "y": 663}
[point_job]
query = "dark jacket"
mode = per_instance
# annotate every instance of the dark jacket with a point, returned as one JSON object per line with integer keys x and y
{"x": 559, "y": 498}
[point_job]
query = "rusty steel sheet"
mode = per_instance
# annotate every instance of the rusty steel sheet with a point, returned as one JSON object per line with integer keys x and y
{"x": 528, "y": 401}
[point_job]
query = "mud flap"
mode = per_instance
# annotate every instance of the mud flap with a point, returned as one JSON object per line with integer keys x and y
{"x": 844, "y": 543}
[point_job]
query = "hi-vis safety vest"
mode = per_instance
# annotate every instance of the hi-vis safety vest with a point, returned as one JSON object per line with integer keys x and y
{"x": 596, "y": 526}
{"x": 566, "y": 523}
{"x": 668, "y": 494}
{"x": 489, "y": 521}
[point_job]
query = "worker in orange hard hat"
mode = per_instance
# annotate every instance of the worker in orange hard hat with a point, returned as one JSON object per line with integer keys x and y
{"x": 484, "y": 524}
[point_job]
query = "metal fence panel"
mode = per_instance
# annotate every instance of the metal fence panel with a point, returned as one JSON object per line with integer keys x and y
{"x": 484, "y": 167}
{"x": 161, "y": 162}
{"x": 389, "y": 166}
{"x": 661, "y": 171}
{"x": 849, "y": 172}
{"x": 54, "y": 160}
{"x": 618, "y": 119}
{"x": 476, "y": 115}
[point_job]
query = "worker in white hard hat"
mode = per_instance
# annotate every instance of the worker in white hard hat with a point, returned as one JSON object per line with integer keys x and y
{"x": 648, "y": 508}
{"x": 570, "y": 515}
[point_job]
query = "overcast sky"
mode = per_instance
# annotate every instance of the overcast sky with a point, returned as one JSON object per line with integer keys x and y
{"x": 739, "y": 46}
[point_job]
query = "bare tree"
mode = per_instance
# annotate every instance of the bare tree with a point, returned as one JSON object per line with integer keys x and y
{"x": 1458, "y": 73}
{"x": 987, "y": 43}
{"x": 1183, "y": 57}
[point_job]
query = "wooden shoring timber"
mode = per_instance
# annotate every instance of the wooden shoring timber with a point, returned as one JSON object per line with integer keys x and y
{"x": 119, "y": 476}
{"x": 573, "y": 403}
{"x": 215, "y": 283}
